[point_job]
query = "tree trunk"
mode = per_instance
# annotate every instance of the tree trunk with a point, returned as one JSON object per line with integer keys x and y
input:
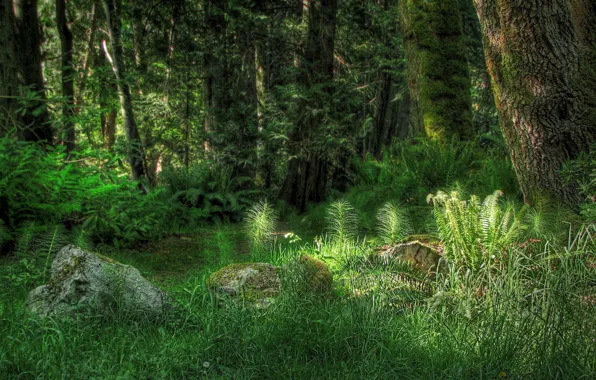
{"x": 68, "y": 75}
{"x": 216, "y": 74}
{"x": 87, "y": 59}
{"x": 20, "y": 71}
{"x": 136, "y": 153}
{"x": 306, "y": 177}
{"x": 108, "y": 91}
{"x": 541, "y": 55}
{"x": 437, "y": 68}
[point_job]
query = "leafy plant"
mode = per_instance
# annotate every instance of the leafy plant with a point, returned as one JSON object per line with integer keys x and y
{"x": 342, "y": 223}
{"x": 260, "y": 224}
{"x": 474, "y": 232}
{"x": 393, "y": 223}
{"x": 209, "y": 191}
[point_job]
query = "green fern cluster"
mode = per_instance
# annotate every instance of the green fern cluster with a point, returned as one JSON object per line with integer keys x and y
{"x": 207, "y": 192}
{"x": 260, "y": 224}
{"x": 342, "y": 222}
{"x": 475, "y": 232}
{"x": 393, "y": 223}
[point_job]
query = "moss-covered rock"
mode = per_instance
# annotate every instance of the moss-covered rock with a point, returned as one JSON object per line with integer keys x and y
{"x": 422, "y": 252}
{"x": 317, "y": 277}
{"x": 256, "y": 283}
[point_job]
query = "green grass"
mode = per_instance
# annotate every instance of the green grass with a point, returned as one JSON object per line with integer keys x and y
{"x": 522, "y": 319}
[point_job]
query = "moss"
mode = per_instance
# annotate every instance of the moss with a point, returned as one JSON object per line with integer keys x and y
{"x": 263, "y": 284}
{"x": 422, "y": 239}
{"x": 65, "y": 272}
{"x": 318, "y": 278}
{"x": 438, "y": 74}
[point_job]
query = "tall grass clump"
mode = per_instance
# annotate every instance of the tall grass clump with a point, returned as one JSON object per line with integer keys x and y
{"x": 474, "y": 231}
{"x": 260, "y": 225}
{"x": 342, "y": 223}
{"x": 393, "y": 223}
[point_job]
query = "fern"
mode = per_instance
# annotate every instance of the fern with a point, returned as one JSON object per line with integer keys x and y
{"x": 393, "y": 223}
{"x": 473, "y": 232}
{"x": 342, "y": 223}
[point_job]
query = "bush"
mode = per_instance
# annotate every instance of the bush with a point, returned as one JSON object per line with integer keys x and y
{"x": 209, "y": 192}
{"x": 42, "y": 184}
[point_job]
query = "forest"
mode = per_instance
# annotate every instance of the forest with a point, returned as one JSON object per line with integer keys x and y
{"x": 297, "y": 189}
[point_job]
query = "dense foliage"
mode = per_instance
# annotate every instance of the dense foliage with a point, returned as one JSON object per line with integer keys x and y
{"x": 319, "y": 136}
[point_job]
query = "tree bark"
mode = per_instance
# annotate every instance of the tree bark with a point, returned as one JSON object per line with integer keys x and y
{"x": 68, "y": 75}
{"x": 20, "y": 71}
{"x": 216, "y": 75}
{"x": 87, "y": 59}
{"x": 437, "y": 68}
{"x": 541, "y": 55}
{"x": 306, "y": 177}
{"x": 136, "y": 152}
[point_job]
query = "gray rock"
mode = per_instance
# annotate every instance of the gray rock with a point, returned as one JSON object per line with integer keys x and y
{"x": 83, "y": 281}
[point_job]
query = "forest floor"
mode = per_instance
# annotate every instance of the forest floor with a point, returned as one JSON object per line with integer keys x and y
{"x": 349, "y": 336}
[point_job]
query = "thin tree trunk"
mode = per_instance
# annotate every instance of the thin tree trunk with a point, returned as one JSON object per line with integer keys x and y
{"x": 108, "y": 90}
{"x": 87, "y": 59}
{"x": 21, "y": 72}
{"x": 136, "y": 152}
{"x": 541, "y": 55}
{"x": 216, "y": 76}
{"x": 68, "y": 75}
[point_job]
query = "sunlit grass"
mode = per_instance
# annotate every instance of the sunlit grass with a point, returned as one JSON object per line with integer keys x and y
{"x": 520, "y": 318}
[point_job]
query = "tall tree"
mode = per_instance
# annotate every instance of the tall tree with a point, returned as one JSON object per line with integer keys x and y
{"x": 438, "y": 75}
{"x": 68, "y": 74}
{"x": 306, "y": 177}
{"x": 136, "y": 152}
{"x": 541, "y": 55}
{"x": 216, "y": 75}
{"x": 20, "y": 71}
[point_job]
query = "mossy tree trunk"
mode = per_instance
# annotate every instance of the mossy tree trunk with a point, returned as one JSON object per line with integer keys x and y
{"x": 136, "y": 153}
{"x": 20, "y": 71}
{"x": 307, "y": 172}
{"x": 438, "y": 76}
{"x": 541, "y": 55}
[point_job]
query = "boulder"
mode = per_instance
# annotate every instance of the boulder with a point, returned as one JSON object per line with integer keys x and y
{"x": 83, "y": 281}
{"x": 316, "y": 276}
{"x": 424, "y": 255}
{"x": 256, "y": 283}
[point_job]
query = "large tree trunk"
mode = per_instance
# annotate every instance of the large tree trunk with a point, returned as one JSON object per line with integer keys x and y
{"x": 68, "y": 75}
{"x": 541, "y": 55}
{"x": 136, "y": 153}
{"x": 437, "y": 68}
{"x": 20, "y": 71}
{"x": 306, "y": 177}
